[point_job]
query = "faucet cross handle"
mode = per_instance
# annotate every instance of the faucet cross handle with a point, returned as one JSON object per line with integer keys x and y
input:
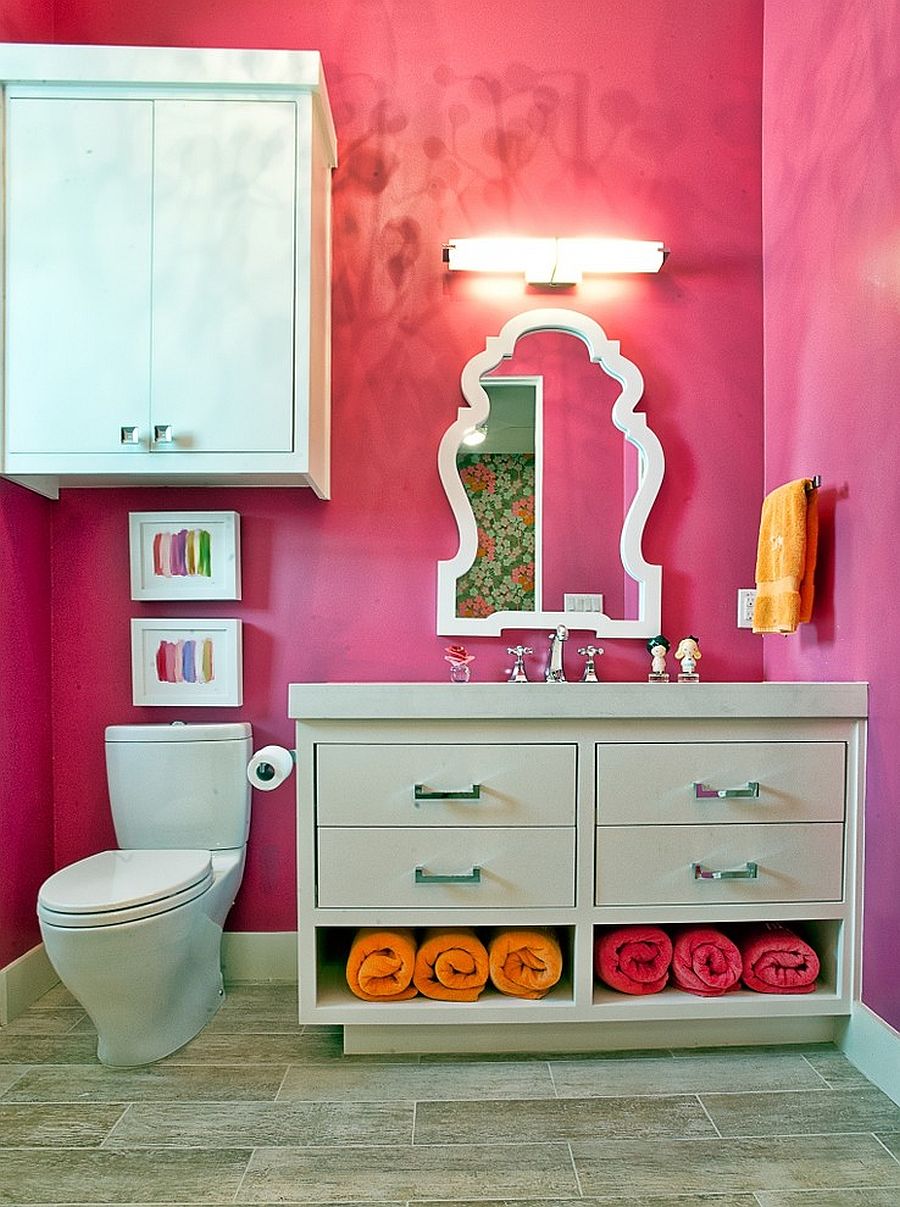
{"x": 517, "y": 672}
{"x": 589, "y": 652}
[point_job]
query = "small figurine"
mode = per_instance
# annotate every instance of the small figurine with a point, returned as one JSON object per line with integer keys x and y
{"x": 688, "y": 654}
{"x": 517, "y": 672}
{"x": 657, "y": 648}
{"x": 459, "y": 658}
{"x": 590, "y": 671}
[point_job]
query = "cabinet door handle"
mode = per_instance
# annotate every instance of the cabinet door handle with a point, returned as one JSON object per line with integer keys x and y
{"x": 750, "y": 871}
{"x": 420, "y": 792}
{"x": 162, "y": 433}
{"x": 701, "y": 792}
{"x": 473, "y": 877}
{"x": 129, "y": 434}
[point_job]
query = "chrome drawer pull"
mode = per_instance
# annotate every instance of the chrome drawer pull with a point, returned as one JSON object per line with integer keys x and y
{"x": 420, "y": 792}
{"x": 129, "y": 434}
{"x": 162, "y": 433}
{"x": 473, "y": 877}
{"x": 701, "y": 792}
{"x": 750, "y": 871}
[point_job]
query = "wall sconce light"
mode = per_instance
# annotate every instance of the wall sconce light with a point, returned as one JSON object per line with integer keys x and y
{"x": 554, "y": 261}
{"x": 476, "y": 436}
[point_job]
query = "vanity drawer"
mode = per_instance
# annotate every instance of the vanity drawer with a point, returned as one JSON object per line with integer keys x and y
{"x": 652, "y": 783}
{"x": 375, "y": 867}
{"x": 500, "y": 785}
{"x": 641, "y": 865}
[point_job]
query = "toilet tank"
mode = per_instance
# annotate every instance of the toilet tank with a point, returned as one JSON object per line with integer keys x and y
{"x": 179, "y": 785}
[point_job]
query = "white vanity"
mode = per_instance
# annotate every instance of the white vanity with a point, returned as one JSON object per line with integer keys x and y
{"x": 577, "y": 806}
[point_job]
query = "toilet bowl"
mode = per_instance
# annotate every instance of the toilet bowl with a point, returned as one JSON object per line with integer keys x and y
{"x": 135, "y": 934}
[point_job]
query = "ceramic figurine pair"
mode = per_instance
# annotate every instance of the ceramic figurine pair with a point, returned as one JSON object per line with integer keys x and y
{"x": 688, "y": 654}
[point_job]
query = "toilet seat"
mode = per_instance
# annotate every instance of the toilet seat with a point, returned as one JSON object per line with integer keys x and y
{"x": 123, "y": 886}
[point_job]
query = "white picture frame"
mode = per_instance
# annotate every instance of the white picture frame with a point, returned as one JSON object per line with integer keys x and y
{"x": 185, "y": 554}
{"x": 187, "y": 663}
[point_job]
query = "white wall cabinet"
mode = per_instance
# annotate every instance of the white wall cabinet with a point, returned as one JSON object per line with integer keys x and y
{"x": 587, "y": 815}
{"x": 167, "y": 267}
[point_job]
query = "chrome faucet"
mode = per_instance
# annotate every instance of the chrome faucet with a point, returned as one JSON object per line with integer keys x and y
{"x": 555, "y": 672}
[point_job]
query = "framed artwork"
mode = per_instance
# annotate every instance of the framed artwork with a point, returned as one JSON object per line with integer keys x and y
{"x": 186, "y": 663}
{"x": 185, "y": 554}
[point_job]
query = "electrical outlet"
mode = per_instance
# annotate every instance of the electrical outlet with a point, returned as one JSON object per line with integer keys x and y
{"x": 746, "y": 598}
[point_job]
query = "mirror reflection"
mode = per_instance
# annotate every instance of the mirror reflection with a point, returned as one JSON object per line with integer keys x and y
{"x": 551, "y": 473}
{"x": 549, "y": 485}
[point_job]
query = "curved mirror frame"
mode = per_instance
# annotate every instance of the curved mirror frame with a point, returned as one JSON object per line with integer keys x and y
{"x": 634, "y": 427}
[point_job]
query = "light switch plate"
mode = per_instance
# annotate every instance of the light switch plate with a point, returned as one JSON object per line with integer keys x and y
{"x": 582, "y": 603}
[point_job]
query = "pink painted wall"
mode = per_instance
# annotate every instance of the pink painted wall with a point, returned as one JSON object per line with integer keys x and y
{"x": 26, "y": 802}
{"x": 26, "y": 21}
{"x": 831, "y": 173}
{"x": 453, "y": 119}
{"x": 26, "y": 788}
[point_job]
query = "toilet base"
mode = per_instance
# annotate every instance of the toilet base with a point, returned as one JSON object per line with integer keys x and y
{"x": 149, "y": 987}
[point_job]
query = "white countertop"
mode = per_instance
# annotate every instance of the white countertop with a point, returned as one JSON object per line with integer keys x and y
{"x": 350, "y": 701}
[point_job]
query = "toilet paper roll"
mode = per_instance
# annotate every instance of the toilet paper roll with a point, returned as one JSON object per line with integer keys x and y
{"x": 270, "y": 766}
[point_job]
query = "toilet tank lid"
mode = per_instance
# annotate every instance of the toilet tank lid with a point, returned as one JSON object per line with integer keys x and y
{"x": 180, "y": 731}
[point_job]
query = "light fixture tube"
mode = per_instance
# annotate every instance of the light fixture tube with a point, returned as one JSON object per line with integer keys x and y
{"x": 554, "y": 261}
{"x": 476, "y": 436}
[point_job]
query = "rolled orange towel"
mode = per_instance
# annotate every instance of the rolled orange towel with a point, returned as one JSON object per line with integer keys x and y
{"x": 381, "y": 963}
{"x": 705, "y": 961}
{"x": 634, "y": 959}
{"x": 777, "y": 961}
{"x": 451, "y": 965}
{"x": 525, "y": 963}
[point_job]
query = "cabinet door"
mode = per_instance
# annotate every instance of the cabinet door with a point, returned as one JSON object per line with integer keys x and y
{"x": 223, "y": 274}
{"x": 78, "y": 273}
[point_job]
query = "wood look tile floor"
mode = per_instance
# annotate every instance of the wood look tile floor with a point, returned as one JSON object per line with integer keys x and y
{"x": 259, "y": 1110}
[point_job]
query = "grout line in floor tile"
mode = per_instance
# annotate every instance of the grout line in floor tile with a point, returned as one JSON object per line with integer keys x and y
{"x": 240, "y": 1185}
{"x": 885, "y": 1147}
{"x": 126, "y": 1107}
{"x": 709, "y": 1116}
{"x": 575, "y": 1170}
{"x": 281, "y": 1083}
{"x": 553, "y": 1084}
{"x": 805, "y": 1058}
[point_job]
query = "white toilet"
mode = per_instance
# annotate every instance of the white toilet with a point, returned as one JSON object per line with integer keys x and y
{"x": 135, "y": 934}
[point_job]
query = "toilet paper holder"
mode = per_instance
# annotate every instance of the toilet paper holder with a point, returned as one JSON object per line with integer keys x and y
{"x": 270, "y": 766}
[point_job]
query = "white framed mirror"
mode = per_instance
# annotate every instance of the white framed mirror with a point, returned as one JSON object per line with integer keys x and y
{"x": 552, "y": 501}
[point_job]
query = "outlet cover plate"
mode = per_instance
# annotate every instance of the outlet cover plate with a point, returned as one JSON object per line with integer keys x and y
{"x": 746, "y": 598}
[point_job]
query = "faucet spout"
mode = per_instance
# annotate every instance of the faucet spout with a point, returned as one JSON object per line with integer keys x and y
{"x": 555, "y": 672}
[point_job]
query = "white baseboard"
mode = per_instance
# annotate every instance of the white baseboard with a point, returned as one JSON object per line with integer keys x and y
{"x": 874, "y": 1047}
{"x": 23, "y": 981}
{"x": 259, "y": 956}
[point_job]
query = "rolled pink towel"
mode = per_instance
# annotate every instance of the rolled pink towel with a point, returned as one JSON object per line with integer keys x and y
{"x": 777, "y": 961}
{"x": 634, "y": 959}
{"x": 705, "y": 962}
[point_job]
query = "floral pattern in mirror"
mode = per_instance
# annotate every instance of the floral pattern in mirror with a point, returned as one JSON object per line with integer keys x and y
{"x": 500, "y": 488}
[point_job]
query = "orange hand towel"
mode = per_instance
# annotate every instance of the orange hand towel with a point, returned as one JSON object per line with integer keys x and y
{"x": 451, "y": 965}
{"x": 525, "y": 963}
{"x": 381, "y": 964}
{"x": 786, "y": 558}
